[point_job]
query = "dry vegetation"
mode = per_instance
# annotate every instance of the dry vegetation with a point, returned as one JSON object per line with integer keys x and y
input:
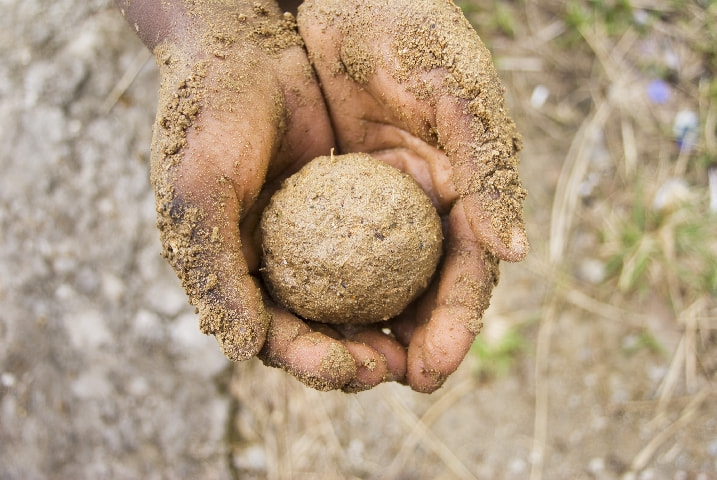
{"x": 599, "y": 356}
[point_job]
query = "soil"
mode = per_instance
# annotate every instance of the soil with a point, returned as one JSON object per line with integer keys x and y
{"x": 349, "y": 239}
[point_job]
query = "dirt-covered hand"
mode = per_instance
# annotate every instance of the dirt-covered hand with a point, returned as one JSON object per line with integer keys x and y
{"x": 239, "y": 110}
{"x": 411, "y": 82}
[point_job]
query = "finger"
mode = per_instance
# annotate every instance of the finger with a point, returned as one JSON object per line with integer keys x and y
{"x": 198, "y": 219}
{"x": 427, "y": 165}
{"x": 468, "y": 276}
{"x": 308, "y": 132}
{"x": 392, "y": 353}
{"x": 371, "y": 368}
{"x": 154, "y": 21}
{"x": 484, "y": 155}
{"x": 378, "y": 357}
{"x": 416, "y": 314}
{"x": 315, "y": 359}
{"x": 219, "y": 123}
{"x": 404, "y": 325}
{"x": 198, "y": 214}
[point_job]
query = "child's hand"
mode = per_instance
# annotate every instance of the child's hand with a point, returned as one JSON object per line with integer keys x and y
{"x": 410, "y": 82}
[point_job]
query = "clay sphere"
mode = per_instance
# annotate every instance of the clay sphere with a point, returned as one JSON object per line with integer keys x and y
{"x": 349, "y": 240}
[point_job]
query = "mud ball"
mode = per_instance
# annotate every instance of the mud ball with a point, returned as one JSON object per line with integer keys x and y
{"x": 349, "y": 240}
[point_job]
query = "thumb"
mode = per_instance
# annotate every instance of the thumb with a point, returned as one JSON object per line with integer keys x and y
{"x": 482, "y": 145}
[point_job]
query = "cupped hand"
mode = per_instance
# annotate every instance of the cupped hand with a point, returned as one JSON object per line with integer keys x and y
{"x": 410, "y": 82}
{"x": 240, "y": 110}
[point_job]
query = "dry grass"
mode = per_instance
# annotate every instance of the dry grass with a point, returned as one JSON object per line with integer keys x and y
{"x": 617, "y": 299}
{"x": 622, "y": 153}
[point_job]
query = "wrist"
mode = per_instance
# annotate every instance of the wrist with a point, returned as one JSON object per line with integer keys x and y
{"x": 209, "y": 28}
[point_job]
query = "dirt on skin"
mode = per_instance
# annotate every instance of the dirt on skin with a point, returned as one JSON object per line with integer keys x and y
{"x": 349, "y": 239}
{"x": 431, "y": 36}
{"x": 190, "y": 244}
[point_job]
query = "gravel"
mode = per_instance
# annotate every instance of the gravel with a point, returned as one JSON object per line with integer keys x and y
{"x": 103, "y": 373}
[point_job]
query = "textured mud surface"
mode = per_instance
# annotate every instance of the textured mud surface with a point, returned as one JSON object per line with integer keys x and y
{"x": 349, "y": 239}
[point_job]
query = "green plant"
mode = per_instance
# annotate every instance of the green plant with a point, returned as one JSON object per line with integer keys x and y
{"x": 632, "y": 244}
{"x": 496, "y": 358}
{"x": 503, "y": 19}
{"x": 493, "y": 19}
{"x": 696, "y": 253}
{"x": 644, "y": 340}
{"x": 675, "y": 244}
{"x": 467, "y": 6}
{"x": 614, "y": 17}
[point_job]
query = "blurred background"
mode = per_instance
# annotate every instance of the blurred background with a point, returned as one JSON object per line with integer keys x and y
{"x": 599, "y": 355}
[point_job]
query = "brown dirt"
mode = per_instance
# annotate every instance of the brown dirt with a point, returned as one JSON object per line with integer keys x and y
{"x": 349, "y": 239}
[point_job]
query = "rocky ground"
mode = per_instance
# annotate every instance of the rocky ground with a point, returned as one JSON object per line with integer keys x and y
{"x": 104, "y": 374}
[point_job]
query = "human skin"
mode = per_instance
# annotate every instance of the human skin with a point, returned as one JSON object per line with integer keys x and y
{"x": 287, "y": 119}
